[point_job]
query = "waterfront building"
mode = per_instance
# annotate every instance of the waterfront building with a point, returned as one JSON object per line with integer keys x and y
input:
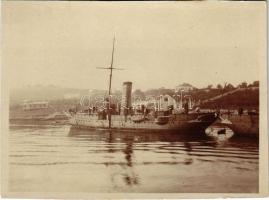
{"x": 34, "y": 105}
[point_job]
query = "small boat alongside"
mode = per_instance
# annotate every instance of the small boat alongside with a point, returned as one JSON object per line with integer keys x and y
{"x": 246, "y": 124}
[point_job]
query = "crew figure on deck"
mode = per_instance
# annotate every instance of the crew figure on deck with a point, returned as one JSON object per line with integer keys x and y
{"x": 186, "y": 107}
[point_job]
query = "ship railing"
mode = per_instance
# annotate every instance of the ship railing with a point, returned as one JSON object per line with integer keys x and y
{"x": 86, "y": 114}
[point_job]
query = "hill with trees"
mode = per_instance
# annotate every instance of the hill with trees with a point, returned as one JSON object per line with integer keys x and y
{"x": 64, "y": 98}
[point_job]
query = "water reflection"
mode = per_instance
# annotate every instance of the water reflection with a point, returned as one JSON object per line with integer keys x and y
{"x": 129, "y": 138}
{"x": 131, "y": 162}
{"x": 170, "y": 137}
{"x": 116, "y": 136}
{"x": 131, "y": 178}
{"x": 184, "y": 146}
{"x": 188, "y": 148}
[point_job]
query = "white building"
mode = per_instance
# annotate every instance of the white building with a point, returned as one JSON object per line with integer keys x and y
{"x": 166, "y": 101}
{"x": 35, "y": 105}
{"x": 186, "y": 87}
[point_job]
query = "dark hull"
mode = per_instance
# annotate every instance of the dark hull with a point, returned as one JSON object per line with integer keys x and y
{"x": 175, "y": 123}
{"x": 188, "y": 127}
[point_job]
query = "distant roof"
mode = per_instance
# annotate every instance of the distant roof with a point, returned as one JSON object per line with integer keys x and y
{"x": 185, "y": 85}
{"x": 35, "y": 102}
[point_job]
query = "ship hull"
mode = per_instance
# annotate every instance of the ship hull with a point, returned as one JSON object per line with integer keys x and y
{"x": 177, "y": 123}
{"x": 187, "y": 128}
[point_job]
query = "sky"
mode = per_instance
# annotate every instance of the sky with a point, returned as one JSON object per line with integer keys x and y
{"x": 159, "y": 44}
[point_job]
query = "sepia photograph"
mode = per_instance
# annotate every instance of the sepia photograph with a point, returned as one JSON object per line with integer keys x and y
{"x": 134, "y": 98}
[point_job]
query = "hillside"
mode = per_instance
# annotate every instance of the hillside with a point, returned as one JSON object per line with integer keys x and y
{"x": 65, "y": 98}
{"x": 244, "y": 97}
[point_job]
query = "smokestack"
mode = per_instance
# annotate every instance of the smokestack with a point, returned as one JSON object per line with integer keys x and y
{"x": 126, "y": 101}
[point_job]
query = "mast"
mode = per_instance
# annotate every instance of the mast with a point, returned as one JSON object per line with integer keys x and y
{"x": 109, "y": 89}
{"x": 111, "y": 68}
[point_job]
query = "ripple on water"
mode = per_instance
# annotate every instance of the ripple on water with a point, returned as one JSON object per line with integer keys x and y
{"x": 130, "y": 161}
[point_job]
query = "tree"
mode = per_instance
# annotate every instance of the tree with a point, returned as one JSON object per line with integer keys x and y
{"x": 160, "y": 91}
{"x": 139, "y": 94}
{"x": 229, "y": 86}
{"x": 219, "y": 86}
{"x": 210, "y": 87}
{"x": 243, "y": 85}
{"x": 255, "y": 84}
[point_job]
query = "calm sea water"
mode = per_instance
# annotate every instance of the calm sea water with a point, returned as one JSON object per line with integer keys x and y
{"x": 60, "y": 159}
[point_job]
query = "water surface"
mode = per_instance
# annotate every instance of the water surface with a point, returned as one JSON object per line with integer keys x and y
{"x": 59, "y": 159}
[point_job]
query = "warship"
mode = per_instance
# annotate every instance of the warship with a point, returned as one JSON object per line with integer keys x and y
{"x": 128, "y": 118}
